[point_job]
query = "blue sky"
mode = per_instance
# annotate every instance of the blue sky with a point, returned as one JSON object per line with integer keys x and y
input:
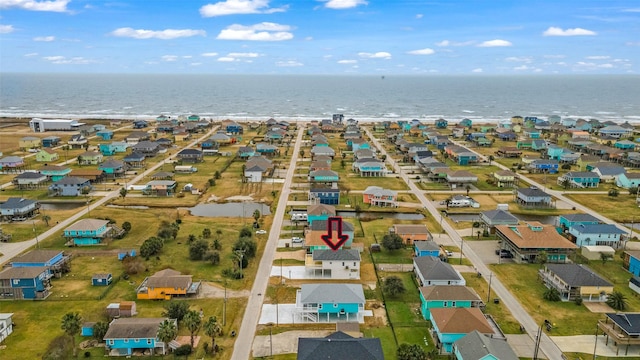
{"x": 321, "y": 36}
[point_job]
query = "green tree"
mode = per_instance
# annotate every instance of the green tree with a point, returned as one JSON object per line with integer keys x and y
{"x": 245, "y": 232}
{"x": 167, "y": 331}
{"x": 99, "y": 330}
{"x": 392, "y": 242}
{"x": 248, "y": 245}
{"x": 212, "y": 328}
{"x": 256, "y": 215}
{"x": 216, "y": 175}
{"x": 206, "y": 233}
{"x": 411, "y": 352}
{"x": 217, "y": 245}
{"x": 551, "y": 294}
{"x": 613, "y": 192}
{"x": 191, "y": 239}
{"x": 617, "y": 301}
{"x": 151, "y": 246}
{"x": 393, "y": 286}
{"x": 46, "y": 219}
{"x": 126, "y": 226}
{"x": 71, "y": 325}
{"x": 175, "y": 310}
{"x": 604, "y": 257}
{"x": 192, "y": 322}
{"x": 198, "y": 249}
{"x": 633, "y": 190}
{"x": 123, "y": 193}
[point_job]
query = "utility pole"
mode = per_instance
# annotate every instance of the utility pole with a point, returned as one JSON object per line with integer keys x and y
{"x": 461, "y": 247}
{"x": 489, "y": 290}
{"x": 36, "y": 234}
{"x": 240, "y": 254}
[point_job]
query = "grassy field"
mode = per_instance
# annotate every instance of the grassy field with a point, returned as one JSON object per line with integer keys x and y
{"x": 622, "y": 208}
{"x": 499, "y": 311}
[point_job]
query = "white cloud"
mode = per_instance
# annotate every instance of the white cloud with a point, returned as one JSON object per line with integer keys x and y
{"x": 523, "y": 59}
{"x": 32, "y": 5}
{"x": 556, "y": 31}
{"x": 30, "y": 54}
{"x": 169, "y": 57}
{"x": 443, "y": 43}
{"x": 344, "y": 4}
{"x": 243, "y": 55}
{"x": 265, "y": 31}
{"x": 419, "y": 16}
{"x": 477, "y": 70}
{"x": 44, "y": 38}
{"x": 226, "y": 59}
{"x": 187, "y": 56}
{"x": 289, "y": 63}
{"x": 605, "y": 66}
{"x": 598, "y": 57}
{"x": 426, "y": 51}
{"x": 5, "y": 29}
{"x": 167, "y": 34}
{"x": 495, "y": 43}
{"x": 347, "y": 61}
{"x": 378, "y": 55}
{"x": 231, "y": 7}
{"x": 209, "y": 54}
{"x": 62, "y": 60}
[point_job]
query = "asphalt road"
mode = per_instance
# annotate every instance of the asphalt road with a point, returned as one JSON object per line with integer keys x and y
{"x": 244, "y": 340}
{"x": 547, "y": 345}
{"x": 11, "y": 250}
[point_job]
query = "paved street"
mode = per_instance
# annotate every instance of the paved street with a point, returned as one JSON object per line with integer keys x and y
{"x": 244, "y": 341}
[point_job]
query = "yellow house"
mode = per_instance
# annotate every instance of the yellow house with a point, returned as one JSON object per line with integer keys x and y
{"x": 165, "y": 284}
{"x": 505, "y": 178}
{"x": 29, "y": 142}
{"x": 181, "y": 136}
{"x": 575, "y": 281}
{"x": 517, "y": 120}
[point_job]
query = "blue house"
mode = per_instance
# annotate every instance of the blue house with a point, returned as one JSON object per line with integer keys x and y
{"x": 266, "y": 149}
{"x": 447, "y": 296}
{"x": 246, "y": 152}
{"x": 54, "y": 260}
{"x": 113, "y": 168}
{"x": 451, "y": 324}
{"x": 101, "y": 279}
{"x": 628, "y": 180}
{"x": 580, "y": 179}
{"x": 441, "y": 123}
{"x": 567, "y": 221}
{"x": 70, "y": 186}
{"x": 128, "y": 335}
{"x": 325, "y": 196}
{"x": 88, "y": 231}
{"x": 140, "y": 124}
{"x": 532, "y": 133}
{"x": 554, "y": 152}
{"x": 622, "y": 144}
{"x": 107, "y": 149}
{"x": 465, "y": 123}
{"x": 507, "y": 136}
{"x": 631, "y": 261}
{"x": 330, "y": 303}
{"x": 105, "y": 134}
{"x": 50, "y": 141}
{"x": 18, "y": 209}
{"x": 426, "y": 248}
{"x": 544, "y": 166}
{"x": 596, "y": 234}
{"x": 319, "y": 212}
{"x": 25, "y": 283}
{"x": 234, "y": 128}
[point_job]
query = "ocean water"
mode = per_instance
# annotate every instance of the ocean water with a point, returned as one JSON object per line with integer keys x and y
{"x": 311, "y": 97}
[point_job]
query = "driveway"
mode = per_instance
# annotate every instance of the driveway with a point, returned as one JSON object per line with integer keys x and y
{"x": 584, "y": 344}
{"x": 486, "y": 250}
{"x": 283, "y": 343}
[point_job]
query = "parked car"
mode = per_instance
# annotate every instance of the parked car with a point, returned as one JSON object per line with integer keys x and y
{"x": 261, "y": 232}
{"x": 504, "y": 253}
{"x": 297, "y": 240}
{"x": 449, "y": 253}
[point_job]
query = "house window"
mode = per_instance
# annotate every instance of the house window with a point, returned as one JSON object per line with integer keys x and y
{"x": 16, "y": 281}
{"x": 126, "y": 341}
{"x": 445, "y": 304}
{"x": 319, "y": 306}
{"x": 111, "y": 342}
{"x": 453, "y": 304}
{"x": 136, "y": 340}
{"x": 148, "y": 341}
{"x": 335, "y": 305}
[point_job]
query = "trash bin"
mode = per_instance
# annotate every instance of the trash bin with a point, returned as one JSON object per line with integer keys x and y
{"x": 496, "y": 301}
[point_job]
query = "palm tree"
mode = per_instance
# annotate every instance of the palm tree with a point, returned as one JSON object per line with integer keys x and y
{"x": 167, "y": 332}
{"x": 71, "y": 326}
{"x": 46, "y": 219}
{"x": 617, "y": 301}
{"x": 192, "y": 322}
{"x": 212, "y": 328}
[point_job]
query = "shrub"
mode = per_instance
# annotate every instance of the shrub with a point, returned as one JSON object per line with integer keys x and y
{"x": 578, "y": 301}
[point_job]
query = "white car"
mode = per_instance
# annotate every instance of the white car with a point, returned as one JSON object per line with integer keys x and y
{"x": 297, "y": 240}
{"x": 261, "y": 232}
{"x": 34, "y": 150}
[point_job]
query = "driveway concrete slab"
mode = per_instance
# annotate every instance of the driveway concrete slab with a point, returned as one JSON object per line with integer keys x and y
{"x": 523, "y": 345}
{"x": 585, "y": 344}
{"x": 283, "y": 343}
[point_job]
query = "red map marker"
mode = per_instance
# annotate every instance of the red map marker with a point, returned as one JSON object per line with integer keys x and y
{"x": 341, "y": 238}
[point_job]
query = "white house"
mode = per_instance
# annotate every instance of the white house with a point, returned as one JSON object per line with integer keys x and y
{"x": 430, "y": 270}
{"x": 463, "y": 201}
{"x": 6, "y": 325}
{"x": 328, "y": 264}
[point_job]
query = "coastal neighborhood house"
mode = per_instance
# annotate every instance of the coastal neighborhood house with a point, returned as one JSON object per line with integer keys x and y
{"x": 25, "y": 283}
{"x": 165, "y": 284}
{"x": 526, "y": 242}
{"x": 339, "y": 345}
{"x": 451, "y": 324}
{"x": 6, "y": 325}
{"x": 447, "y": 296}
{"x": 377, "y": 196}
{"x": 575, "y": 281}
{"x": 596, "y": 234}
{"x": 128, "y": 336}
{"x": 478, "y": 346}
{"x": 328, "y": 264}
{"x": 330, "y": 303}
{"x": 88, "y": 232}
{"x": 18, "y": 209}
{"x": 411, "y": 232}
{"x": 431, "y": 271}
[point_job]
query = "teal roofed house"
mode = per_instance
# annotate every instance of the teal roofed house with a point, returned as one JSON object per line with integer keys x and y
{"x": 580, "y": 179}
{"x": 625, "y": 145}
{"x": 193, "y": 118}
{"x": 323, "y": 176}
{"x": 88, "y": 231}
{"x": 466, "y": 123}
{"x": 113, "y": 168}
{"x": 330, "y": 303}
{"x": 441, "y": 124}
{"x": 447, "y": 296}
{"x": 105, "y": 134}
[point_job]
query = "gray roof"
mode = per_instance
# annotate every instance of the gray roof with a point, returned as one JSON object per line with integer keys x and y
{"x": 338, "y": 255}
{"x": 475, "y": 345}
{"x": 134, "y": 328}
{"x": 577, "y": 275}
{"x": 581, "y": 174}
{"x": 533, "y": 192}
{"x": 629, "y": 322}
{"x": 580, "y": 217}
{"x": 321, "y": 209}
{"x": 36, "y": 256}
{"x": 500, "y": 216}
{"x": 16, "y": 203}
{"x": 598, "y": 229}
{"x": 332, "y": 293}
{"x": 72, "y": 180}
{"x": 609, "y": 169}
{"x": 323, "y": 173}
{"x": 87, "y": 224}
{"x": 432, "y": 268}
{"x": 339, "y": 346}
{"x": 30, "y": 175}
{"x": 423, "y": 245}
{"x": 27, "y": 272}
{"x": 322, "y": 225}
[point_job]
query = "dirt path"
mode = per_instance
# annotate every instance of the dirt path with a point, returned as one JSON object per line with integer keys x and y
{"x": 296, "y": 255}
{"x": 211, "y": 290}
